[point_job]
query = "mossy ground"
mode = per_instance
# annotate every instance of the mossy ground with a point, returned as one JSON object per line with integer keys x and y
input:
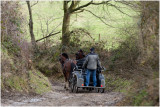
{"x": 38, "y": 82}
{"x": 138, "y": 90}
{"x": 117, "y": 84}
{"x": 29, "y": 81}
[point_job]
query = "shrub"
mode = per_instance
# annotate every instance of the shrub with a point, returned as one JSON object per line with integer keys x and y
{"x": 125, "y": 55}
{"x": 12, "y": 35}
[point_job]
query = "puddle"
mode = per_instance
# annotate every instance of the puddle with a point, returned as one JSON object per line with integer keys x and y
{"x": 66, "y": 97}
{"x": 18, "y": 103}
{"x": 32, "y": 100}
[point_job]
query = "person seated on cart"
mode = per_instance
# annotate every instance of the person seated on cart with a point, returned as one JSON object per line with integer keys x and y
{"x": 91, "y": 63}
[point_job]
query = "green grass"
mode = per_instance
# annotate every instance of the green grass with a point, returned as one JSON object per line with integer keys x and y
{"x": 45, "y": 10}
{"x": 140, "y": 97}
{"x": 118, "y": 84}
{"x": 39, "y": 82}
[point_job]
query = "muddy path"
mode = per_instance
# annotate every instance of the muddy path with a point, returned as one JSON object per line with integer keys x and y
{"x": 59, "y": 97}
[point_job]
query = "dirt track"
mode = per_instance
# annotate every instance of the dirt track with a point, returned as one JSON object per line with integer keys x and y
{"x": 59, "y": 97}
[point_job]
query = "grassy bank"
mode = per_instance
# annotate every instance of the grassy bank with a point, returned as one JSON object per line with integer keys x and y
{"x": 17, "y": 79}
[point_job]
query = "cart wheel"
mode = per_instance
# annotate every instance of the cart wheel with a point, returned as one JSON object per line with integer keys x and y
{"x": 75, "y": 88}
{"x": 101, "y": 90}
{"x": 71, "y": 87}
{"x": 97, "y": 90}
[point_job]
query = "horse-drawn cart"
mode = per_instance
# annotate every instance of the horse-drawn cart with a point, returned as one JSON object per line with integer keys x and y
{"x": 78, "y": 79}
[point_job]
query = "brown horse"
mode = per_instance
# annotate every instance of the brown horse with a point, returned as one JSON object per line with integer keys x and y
{"x": 67, "y": 68}
{"x": 80, "y": 55}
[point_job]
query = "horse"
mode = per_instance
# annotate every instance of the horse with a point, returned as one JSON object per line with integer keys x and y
{"x": 67, "y": 68}
{"x": 80, "y": 54}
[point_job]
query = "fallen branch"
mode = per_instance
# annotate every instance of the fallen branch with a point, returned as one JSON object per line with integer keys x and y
{"x": 48, "y": 36}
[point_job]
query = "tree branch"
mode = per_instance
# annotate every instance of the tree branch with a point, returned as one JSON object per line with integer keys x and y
{"x": 130, "y": 4}
{"x": 73, "y": 5}
{"x": 34, "y": 4}
{"x": 48, "y": 36}
{"x": 89, "y": 3}
{"x": 56, "y": 28}
{"x": 119, "y": 9}
{"x": 99, "y": 18}
{"x": 103, "y": 2}
{"x": 81, "y": 10}
{"x": 78, "y": 8}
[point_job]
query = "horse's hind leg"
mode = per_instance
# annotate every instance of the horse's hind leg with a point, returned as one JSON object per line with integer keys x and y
{"x": 65, "y": 86}
{"x": 67, "y": 81}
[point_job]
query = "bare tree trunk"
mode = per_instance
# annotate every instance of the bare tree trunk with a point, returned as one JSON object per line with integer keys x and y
{"x": 66, "y": 23}
{"x": 31, "y": 27}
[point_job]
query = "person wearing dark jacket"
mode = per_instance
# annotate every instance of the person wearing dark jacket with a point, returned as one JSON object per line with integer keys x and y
{"x": 91, "y": 63}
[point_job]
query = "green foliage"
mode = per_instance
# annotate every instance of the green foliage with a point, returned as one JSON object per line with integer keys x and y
{"x": 16, "y": 54}
{"x": 150, "y": 30}
{"x": 10, "y": 82}
{"x": 12, "y": 20}
{"x": 2, "y": 84}
{"x": 117, "y": 84}
{"x": 139, "y": 98}
{"x": 76, "y": 37}
{"x": 7, "y": 61}
{"x": 155, "y": 75}
{"x": 81, "y": 38}
{"x": 19, "y": 81}
{"x": 47, "y": 60}
{"x": 15, "y": 83}
{"x": 125, "y": 55}
{"x": 38, "y": 82}
{"x": 11, "y": 47}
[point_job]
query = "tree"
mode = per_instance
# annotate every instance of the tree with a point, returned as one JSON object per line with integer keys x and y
{"x": 34, "y": 45}
{"x": 66, "y": 21}
{"x": 68, "y": 11}
{"x": 149, "y": 37}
